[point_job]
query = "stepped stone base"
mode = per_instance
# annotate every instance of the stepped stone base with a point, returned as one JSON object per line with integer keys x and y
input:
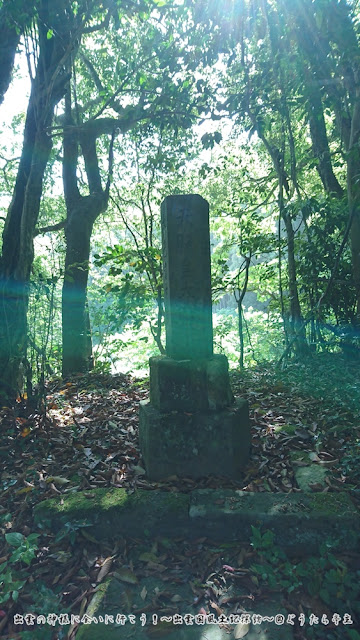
{"x": 195, "y": 444}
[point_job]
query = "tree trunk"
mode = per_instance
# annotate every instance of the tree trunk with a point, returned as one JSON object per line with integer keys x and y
{"x": 157, "y": 330}
{"x": 319, "y": 139}
{"x": 239, "y": 295}
{"x": 82, "y": 212}
{"x": 340, "y": 29}
{"x": 241, "y": 334}
{"x": 353, "y": 190}
{"x": 18, "y": 252}
{"x": 296, "y": 320}
{"x": 75, "y": 321}
{"x": 13, "y": 20}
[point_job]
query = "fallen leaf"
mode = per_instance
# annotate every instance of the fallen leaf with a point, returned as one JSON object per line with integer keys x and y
{"x": 147, "y": 556}
{"x": 177, "y": 598}
{"x": 216, "y": 607}
{"x": 139, "y": 471}
{"x": 57, "y": 480}
{"x": 61, "y": 556}
{"x": 241, "y": 630}
{"x": 88, "y": 536}
{"x": 126, "y": 575}
{"x": 24, "y": 490}
{"x": 53, "y": 488}
{"x": 105, "y": 568}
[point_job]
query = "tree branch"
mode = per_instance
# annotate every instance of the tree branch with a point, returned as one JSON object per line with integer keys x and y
{"x": 50, "y": 227}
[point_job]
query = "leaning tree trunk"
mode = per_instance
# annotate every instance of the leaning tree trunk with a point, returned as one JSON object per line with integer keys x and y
{"x": 18, "y": 252}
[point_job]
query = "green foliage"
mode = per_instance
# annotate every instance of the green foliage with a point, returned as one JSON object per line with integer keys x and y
{"x": 324, "y": 575}
{"x": 263, "y": 335}
{"x": 44, "y": 325}
{"x": 275, "y": 569}
{"x": 70, "y": 530}
{"x": 25, "y": 547}
{"x": 25, "y": 551}
{"x": 253, "y": 158}
{"x": 316, "y": 246}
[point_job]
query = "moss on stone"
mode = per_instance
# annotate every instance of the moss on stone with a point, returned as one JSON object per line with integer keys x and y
{"x": 83, "y": 503}
{"x": 111, "y": 510}
{"x": 340, "y": 503}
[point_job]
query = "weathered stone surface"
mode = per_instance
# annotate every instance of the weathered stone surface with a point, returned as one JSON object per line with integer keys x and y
{"x": 113, "y": 511}
{"x": 187, "y": 279}
{"x": 190, "y": 385}
{"x": 197, "y": 444}
{"x": 300, "y": 521}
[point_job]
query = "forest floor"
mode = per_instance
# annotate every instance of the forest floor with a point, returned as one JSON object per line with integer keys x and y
{"x": 87, "y": 437}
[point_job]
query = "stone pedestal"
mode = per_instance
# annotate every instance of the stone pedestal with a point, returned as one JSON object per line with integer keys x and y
{"x": 194, "y": 445}
{"x": 191, "y": 427}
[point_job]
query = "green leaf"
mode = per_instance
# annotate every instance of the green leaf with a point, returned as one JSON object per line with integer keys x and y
{"x": 14, "y": 539}
{"x": 33, "y": 537}
{"x": 325, "y": 596}
{"x": 5, "y": 598}
{"x": 50, "y": 34}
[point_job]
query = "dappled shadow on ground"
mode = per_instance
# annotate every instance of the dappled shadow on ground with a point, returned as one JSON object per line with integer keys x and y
{"x": 88, "y": 438}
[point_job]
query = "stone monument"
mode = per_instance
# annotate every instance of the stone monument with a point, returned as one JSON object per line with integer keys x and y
{"x": 191, "y": 426}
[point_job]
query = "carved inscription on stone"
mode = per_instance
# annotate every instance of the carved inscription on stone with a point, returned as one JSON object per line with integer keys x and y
{"x": 187, "y": 277}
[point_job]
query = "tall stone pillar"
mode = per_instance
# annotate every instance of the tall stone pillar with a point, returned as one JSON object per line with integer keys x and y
{"x": 187, "y": 277}
{"x": 191, "y": 426}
